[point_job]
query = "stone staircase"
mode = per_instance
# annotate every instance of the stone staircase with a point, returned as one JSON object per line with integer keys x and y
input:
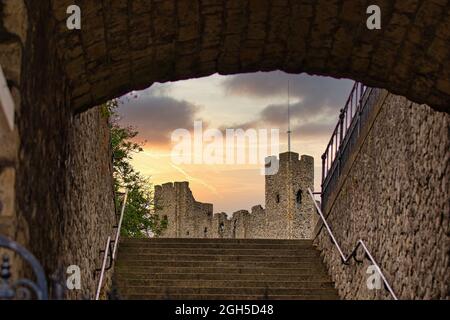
{"x": 221, "y": 269}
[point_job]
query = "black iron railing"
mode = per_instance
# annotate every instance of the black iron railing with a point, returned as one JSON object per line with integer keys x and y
{"x": 352, "y": 118}
{"x": 22, "y": 288}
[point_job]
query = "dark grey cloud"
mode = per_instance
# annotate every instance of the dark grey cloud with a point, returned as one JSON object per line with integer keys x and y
{"x": 260, "y": 84}
{"x": 156, "y": 116}
{"x": 300, "y": 112}
{"x": 266, "y": 84}
{"x": 309, "y": 120}
{"x": 313, "y": 130}
{"x": 315, "y": 101}
{"x": 300, "y": 130}
{"x": 315, "y": 104}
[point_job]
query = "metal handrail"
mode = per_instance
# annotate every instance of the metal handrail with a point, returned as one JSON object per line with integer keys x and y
{"x": 119, "y": 227}
{"x": 111, "y": 252}
{"x": 360, "y": 243}
{"x": 347, "y": 115}
{"x": 102, "y": 273}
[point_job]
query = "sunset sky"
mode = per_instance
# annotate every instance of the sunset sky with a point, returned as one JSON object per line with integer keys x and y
{"x": 246, "y": 101}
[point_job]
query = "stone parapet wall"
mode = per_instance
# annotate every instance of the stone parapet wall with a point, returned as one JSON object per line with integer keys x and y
{"x": 395, "y": 197}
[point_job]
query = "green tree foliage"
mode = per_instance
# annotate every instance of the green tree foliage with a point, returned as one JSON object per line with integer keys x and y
{"x": 139, "y": 219}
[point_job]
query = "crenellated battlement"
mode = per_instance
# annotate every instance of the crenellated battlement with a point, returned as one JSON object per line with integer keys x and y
{"x": 286, "y": 209}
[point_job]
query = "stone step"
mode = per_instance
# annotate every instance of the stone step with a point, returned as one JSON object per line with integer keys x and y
{"x": 307, "y": 251}
{"x": 228, "y": 283}
{"x": 225, "y": 297}
{"x": 219, "y": 241}
{"x": 222, "y": 270}
{"x": 193, "y": 276}
{"x": 220, "y": 264}
{"x": 125, "y": 257}
{"x": 214, "y": 245}
{"x": 257, "y": 291}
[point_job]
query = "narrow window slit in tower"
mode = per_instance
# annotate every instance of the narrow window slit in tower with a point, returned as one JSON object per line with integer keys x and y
{"x": 298, "y": 198}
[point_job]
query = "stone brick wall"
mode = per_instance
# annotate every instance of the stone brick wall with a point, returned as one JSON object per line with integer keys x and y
{"x": 253, "y": 226}
{"x": 89, "y": 204}
{"x": 74, "y": 208}
{"x": 396, "y": 198}
{"x": 57, "y": 165}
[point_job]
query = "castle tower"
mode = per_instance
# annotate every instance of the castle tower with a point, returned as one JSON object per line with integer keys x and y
{"x": 289, "y": 210}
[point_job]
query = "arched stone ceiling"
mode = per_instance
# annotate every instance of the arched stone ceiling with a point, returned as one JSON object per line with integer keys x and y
{"x": 126, "y": 45}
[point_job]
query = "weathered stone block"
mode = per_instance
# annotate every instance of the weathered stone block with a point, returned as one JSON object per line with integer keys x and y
{"x": 7, "y": 190}
{"x": 15, "y": 18}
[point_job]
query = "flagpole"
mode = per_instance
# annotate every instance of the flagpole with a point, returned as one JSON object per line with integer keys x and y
{"x": 289, "y": 117}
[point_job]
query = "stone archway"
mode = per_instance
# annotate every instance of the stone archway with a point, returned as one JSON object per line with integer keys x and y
{"x": 128, "y": 45}
{"x": 55, "y": 73}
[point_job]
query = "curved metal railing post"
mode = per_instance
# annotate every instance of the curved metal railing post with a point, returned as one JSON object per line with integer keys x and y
{"x": 360, "y": 242}
{"x": 40, "y": 287}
